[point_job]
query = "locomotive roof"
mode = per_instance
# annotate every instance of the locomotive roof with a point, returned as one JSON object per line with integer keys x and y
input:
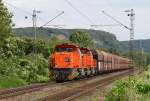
{"x": 67, "y": 45}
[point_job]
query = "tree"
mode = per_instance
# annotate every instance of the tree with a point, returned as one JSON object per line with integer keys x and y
{"x": 81, "y": 38}
{"x": 5, "y": 24}
{"x": 114, "y": 51}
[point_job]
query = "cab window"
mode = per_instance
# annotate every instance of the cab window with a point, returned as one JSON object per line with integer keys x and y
{"x": 58, "y": 49}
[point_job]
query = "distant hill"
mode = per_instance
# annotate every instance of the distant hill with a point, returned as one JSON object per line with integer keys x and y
{"x": 100, "y": 38}
{"x": 138, "y": 44}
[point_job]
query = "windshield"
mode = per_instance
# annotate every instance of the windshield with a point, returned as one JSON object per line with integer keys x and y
{"x": 58, "y": 49}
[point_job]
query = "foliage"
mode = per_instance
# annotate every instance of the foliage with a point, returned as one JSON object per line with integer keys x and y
{"x": 28, "y": 69}
{"x": 5, "y": 24}
{"x": 138, "y": 44}
{"x": 20, "y": 62}
{"x": 81, "y": 38}
{"x": 140, "y": 60}
{"x": 7, "y": 66}
{"x": 118, "y": 93}
{"x": 122, "y": 89}
{"x": 143, "y": 88}
{"x": 33, "y": 71}
{"x": 138, "y": 86}
{"x": 25, "y": 46}
{"x": 53, "y": 42}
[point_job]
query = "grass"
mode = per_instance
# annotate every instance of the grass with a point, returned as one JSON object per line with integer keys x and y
{"x": 11, "y": 81}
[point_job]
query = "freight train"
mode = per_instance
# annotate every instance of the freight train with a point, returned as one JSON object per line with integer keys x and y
{"x": 70, "y": 61}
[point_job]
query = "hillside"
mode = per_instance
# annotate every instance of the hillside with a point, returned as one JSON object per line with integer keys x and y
{"x": 137, "y": 44}
{"x": 100, "y": 38}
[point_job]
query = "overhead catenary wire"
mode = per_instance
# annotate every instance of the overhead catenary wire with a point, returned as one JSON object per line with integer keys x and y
{"x": 21, "y": 10}
{"x": 77, "y": 10}
{"x": 53, "y": 19}
{"x": 116, "y": 20}
{"x": 108, "y": 25}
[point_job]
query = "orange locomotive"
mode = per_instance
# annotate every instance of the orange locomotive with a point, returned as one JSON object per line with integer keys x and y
{"x": 70, "y": 61}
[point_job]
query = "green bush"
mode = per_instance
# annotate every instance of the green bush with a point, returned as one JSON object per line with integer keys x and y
{"x": 122, "y": 90}
{"x": 118, "y": 93}
{"x": 33, "y": 67}
{"x": 30, "y": 69}
{"x": 8, "y": 66}
{"x": 143, "y": 88}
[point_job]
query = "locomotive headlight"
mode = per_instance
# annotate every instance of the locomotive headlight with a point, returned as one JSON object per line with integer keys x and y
{"x": 56, "y": 65}
{"x": 67, "y": 59}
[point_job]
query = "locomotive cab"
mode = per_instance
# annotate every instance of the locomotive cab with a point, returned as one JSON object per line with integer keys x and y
{"x": 88, "y": 61}
{"x": 66, "y": 56}
{"x": 65, "y": 59}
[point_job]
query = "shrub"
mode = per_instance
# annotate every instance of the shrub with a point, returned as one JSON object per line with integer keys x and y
{"x": 118, "y": 93}
{"x": 123, "y": 89}
{"x": 33, "y": 67}
{"x": 143, "y": 88}
{"x": 25, "y": 68}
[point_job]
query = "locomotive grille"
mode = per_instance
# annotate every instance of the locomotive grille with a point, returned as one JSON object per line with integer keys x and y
{"x": 66, "y": 59}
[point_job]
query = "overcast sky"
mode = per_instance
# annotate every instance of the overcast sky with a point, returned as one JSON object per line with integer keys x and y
{"x": 89, "y": 8}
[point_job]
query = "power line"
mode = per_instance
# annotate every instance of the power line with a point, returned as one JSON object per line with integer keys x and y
{"x": 53, "y": 18}
{"x": 22, "y": 10}
{"x": 30, "y": 14}
{"x": 109, "y": 25}
{"x": 115, "y": 20}
{"x": 77, "y": 10}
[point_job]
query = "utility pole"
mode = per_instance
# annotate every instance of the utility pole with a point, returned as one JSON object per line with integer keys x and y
{"x": 131, "y": 14}
{"x": 34, "y": 19}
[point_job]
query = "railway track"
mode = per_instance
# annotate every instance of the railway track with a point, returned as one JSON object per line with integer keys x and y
{"x": 9, "y": 93}
{"x": 73, "y": 93}
{"x": 22, "y": 90}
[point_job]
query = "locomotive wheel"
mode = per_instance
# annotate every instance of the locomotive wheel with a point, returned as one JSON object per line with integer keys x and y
{"x": 96, "y": 71}
{"x": 93, "y": 71}
{"x": 88, "y": 72}
{"x": 61, "y": 75}
{"x": 81, "y": 73}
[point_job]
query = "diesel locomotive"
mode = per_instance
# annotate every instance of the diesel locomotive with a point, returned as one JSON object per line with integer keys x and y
{"x": 70, "y": 61}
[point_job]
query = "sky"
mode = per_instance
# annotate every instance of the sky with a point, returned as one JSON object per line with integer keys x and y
{"x": 84, "y": 13}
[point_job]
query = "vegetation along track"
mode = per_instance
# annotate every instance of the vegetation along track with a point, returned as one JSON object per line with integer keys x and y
{"x": 22, "y": 90}
{"x": 73, "y": 93}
